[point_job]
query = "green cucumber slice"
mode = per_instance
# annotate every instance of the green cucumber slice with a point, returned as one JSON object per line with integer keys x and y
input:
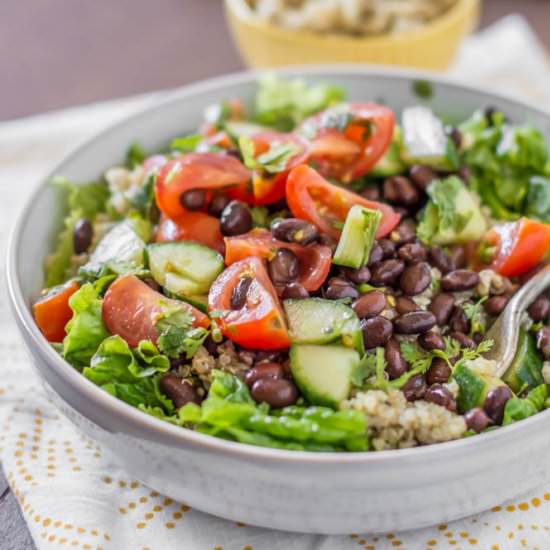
{"x": 319, "y": 321}
{"x": 357, "y": 237}
{"x": 184, "y": 268}
{"x": 323, "y": 373}
{"x": 526, "y": 368}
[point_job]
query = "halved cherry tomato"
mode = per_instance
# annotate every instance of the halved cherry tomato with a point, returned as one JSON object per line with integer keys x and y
{"x": 192, "y": 226}
{"x": 52, "y": 311}
{"x": 200, "y": 170}
{"x": 348, "y": 140}
{"x": 131, "y": 309}
{"x": 314, "y": 260}
{"x": 521, "y": 246}
{"x": 312, "y": 198}
{"x": 259, "y": 323}
{"x": 270, "y": 187}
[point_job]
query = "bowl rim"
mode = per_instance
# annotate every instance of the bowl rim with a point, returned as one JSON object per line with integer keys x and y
{"x": 178, "y": 436}
{"x": 241, "y": 11}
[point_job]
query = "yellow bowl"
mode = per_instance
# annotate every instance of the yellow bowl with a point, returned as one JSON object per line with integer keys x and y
{"x": 432, "y": 46}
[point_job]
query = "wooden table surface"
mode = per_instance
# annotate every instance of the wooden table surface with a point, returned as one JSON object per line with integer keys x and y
{"x": 67, "y": 53}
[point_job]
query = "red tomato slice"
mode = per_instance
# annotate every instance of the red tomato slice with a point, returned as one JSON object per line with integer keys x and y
{"x": 131, "y": 308}
{"x": 348, "y": 140}
{"x": 269, "y": 188}
{"x": 521, "y": 246}
{"x": 259, "y": 324}
{"x": 314, "y": 260}
{"x": 192, "y": 226}
{"x": 312, "y": 198}
{"x": 52, "y": 311}
{"x": 199, "y": 170}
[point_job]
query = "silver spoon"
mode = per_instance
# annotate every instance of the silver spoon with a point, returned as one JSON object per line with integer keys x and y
{"x": 505, "y": 330}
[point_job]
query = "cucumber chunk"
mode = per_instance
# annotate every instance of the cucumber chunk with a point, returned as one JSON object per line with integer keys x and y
{"x": 323, "y": 373}
{"x": 425, "y": 140}
{"x": 319, "y": 321}
{"x": 391, "y": 164}
{"x": 184, "y": 268}
{"x": 357, "y": 237}
{"x": 526, "y": 368}
{"x": 474, "y": 387}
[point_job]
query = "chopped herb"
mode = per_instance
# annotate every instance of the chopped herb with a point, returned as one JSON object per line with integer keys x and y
{"x": 474, "y": 313}
{"x": 422, "y": 89}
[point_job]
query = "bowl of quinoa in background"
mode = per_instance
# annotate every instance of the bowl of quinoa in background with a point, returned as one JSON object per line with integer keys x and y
{"x": 417, "y": 33}
{"x": 275, "y": 319}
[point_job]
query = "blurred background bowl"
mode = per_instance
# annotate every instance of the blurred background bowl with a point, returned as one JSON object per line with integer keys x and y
{"x": 432, "y": 46}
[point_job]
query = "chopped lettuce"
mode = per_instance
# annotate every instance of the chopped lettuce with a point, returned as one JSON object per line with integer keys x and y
{"x": 452, "y": 215}
{"x": 283, "y": 104}
{"x": 509, "y": 166}
{"x": 86, "y": 330}
{"x": 230, "y": 412}
{"x": 132, "y": 376}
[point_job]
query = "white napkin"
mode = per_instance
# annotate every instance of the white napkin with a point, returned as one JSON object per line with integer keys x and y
{"x": 75, "y": 494}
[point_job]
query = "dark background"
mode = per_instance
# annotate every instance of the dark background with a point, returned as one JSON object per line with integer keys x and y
{"x": 58, "y": 53}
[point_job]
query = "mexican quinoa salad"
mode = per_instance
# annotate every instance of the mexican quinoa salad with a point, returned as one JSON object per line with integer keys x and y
{"x": 310, "y": 274}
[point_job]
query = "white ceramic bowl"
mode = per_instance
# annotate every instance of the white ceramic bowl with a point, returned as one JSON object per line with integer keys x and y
{"x": 298, "y": 491}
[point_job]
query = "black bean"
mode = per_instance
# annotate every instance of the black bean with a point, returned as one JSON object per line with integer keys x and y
{"x": 412, "y": 252}
{"x": 151, "y": 283}
{"x": 327, "y": 240}
{"x": 376, "y": 254}
{"x": 405, "y": 232}
{"x": 339, "y": 288}
{"x": 401, "y": 190}
{"x": 293, "y": 230}
{"x": 357, "y": 276}
{"x": 441, "y": 306}
{"x": 459, "y": 280}
{"x": 294, "y": 291}
{"x": 386, "y": 272}
{"x": 395, "y": 363}
{"x": 496, "y": 401}
{"x": 415, "y": 279}
{"x": 236, "y": 219}
{"x": 441, "y": 396}
{"x": 179, "y": 391}
{"x": 388, "y": 248}
{"x": 414, "y": 322}
{"x": 405, "y": 305}
{"x": 264, "y": 370}
{"x": 476, "y": 419}
{"x": 376, "y": 331}
{"x": 539, "y": 310}
{"x": 370, "y": 304}
{"x": 415, "y": 388}
{"x": 457, "y": 255}
{"x": 458, "y": 321}
{"x": 463, "y": 339}
{"x": 276, "y": 392}
{"x": 371, "y": 193}
{"x": 217, "y": 204}
{"x": 193, "y": 199}
{"x": 441, "y": 260}
{"x": 240, "y": 292}
{"x": 439, "y": 372}
{"x": 431, "y": 340}
{"x": 83, "y": 233}
{"x": 543, "y": 341}
{"x": 284, "y": 267}
{"x": 496, "y": 304}
{"x": 456, "y": 136}
{"x": 422, "y": 176}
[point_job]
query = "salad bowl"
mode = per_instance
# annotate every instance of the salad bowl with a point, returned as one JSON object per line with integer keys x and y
{"x": 292, "y": 490}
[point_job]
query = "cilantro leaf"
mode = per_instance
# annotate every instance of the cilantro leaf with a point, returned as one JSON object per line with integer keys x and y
{"x": 475, "y": 315}
{"x": 177, "y": 335}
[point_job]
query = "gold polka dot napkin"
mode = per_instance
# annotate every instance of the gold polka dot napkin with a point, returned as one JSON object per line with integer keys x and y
{"x": 74, "y": 494}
